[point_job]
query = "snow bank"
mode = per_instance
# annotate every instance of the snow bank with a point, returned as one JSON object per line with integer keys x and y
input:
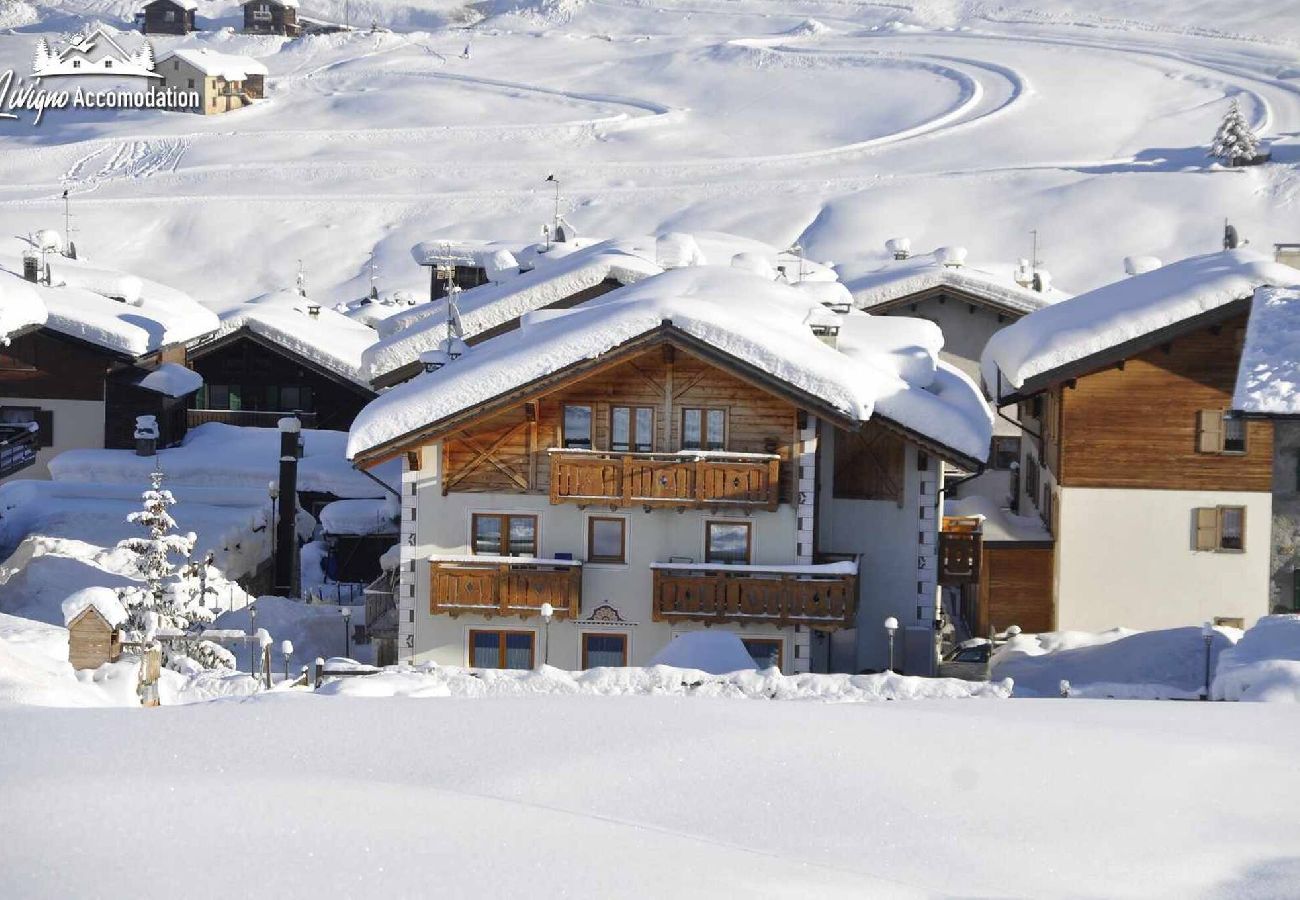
{"x": 1264, "y": 665}
{"x": 1168, "y": 663}
{"x": 220, "y": 455}
{"x": 370, "y": 516}
{"x": 104, "y": 600}
{"x": 659, "y": 680}
{"x": 757, "y": 322}
{"x": 1109, "y": 316}
{"x": 1268, "y": 376}
{"x": 715, "y": 652}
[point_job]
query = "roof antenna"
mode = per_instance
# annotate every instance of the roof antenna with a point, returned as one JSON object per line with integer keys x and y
{"x": 374, "y": 277}
{"x": 70, "y": 251}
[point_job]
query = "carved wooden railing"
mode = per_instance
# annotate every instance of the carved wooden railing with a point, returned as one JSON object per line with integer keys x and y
{"x": 960, "y": 549}
{"x": 665, "y": 479}
{"x": 751, "y": 595}
{"x": 505, "y": 587}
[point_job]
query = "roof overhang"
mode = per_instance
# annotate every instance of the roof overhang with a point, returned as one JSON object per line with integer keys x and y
{"x": 940, "y": 291}
{"x": 1111, "y": 356}
{"x": 204, "y": 346}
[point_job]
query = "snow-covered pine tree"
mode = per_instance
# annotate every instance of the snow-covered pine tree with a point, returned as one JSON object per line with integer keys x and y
{"x": 144, "y": 56}
{"x": 1235, "y": 143}
{"x": 42, "y": 57}
{"x": 166, "y": 602}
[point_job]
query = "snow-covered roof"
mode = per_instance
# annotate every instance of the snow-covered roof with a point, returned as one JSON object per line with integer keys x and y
{"x": 884, "y": 365}
{"x": 996, "y": 522}
{"x": 156, "y": 316}
{"x": 1268, "y": 376}
{"x": 172, "y": 380}
{"x": 899, "y": 279}
{"x": 217, "y": 65}
{"x": 103, "y": 600}
{"x": 490, "y": 305}
{"x": 364, "y": 516}
{"x": 188, "y": 5}
{"x": 1128, "y": 310}
{"x": 327, "y": 338}
{"x": 20, "y": 308}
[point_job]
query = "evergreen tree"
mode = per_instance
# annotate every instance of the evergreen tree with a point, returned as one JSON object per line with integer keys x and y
{"x": 144, "y": 56}
{"x": 42, "y": 57}
{"x": 1235, "y": 143}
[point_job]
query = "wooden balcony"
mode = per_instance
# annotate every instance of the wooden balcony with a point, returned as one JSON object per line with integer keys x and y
{"x": 822, "y": 597}
{"x": 505, "y": 586}
{"x": 18, "y": 446}
{"x": 674, "y": 480}
{"x": 960, "y": 546}
{"x": 255, "y": 418}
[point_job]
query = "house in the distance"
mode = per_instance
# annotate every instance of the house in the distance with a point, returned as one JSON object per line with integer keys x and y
{"x": 707, "y": 448}
{"x": 272, "y": 17}
{"x": 1156, "y": 491}
{"x": 169, "y": 17}
{"x": 278, "y": 354}
{"x": 223, "y": 82}
{"x": 111, "y": 348}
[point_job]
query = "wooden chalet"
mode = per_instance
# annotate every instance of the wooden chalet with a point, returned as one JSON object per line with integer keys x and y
{"x": 272, "y": 17}
{"x": 169, "y": 17}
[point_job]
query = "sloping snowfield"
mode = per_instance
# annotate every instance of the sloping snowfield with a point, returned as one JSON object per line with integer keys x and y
{"x": 837, "y": 124}
{"x": 311, "y": 796}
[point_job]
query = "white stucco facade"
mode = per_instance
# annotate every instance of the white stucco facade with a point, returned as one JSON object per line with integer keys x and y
{"x": 1127, "y": 558}
{"x": 78, "y": 424}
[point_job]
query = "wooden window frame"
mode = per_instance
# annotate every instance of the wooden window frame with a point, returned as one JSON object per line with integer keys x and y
{"x": 1006, "y": 439}
{"x": 1212, "y": 433}
{"x": 767, "y": 639}
{"x": 591, "y": 417}
{"x": 626, "y": 638}
{"x": 632, "y": 432}
{"x": 501, "y": 650}
{"x": 1208, "y": 529}
{"x": 505, "y": 517}
{"x": 749, "y": 540}
{"x": 704, "y": 428}
{"x": 621, "y": 560}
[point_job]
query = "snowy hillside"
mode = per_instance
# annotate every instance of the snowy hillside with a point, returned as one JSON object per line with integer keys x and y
{"x": 837, "y": 125}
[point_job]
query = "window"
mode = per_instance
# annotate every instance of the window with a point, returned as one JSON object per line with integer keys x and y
{"x": 262, "y": 13}
{"x": 76, "y": 64}
{"x": 766, "y": 652}
{"x": 1221, "y": 528}
{"x": 176, "y": 67}
{"x": 604, "y": 650}
{"x": 223, "y": 396}
{"x": 504, "y": 535}
{"x": 704, "y": 429}
{"x": 293, "y": 397}
{"x": 1005, "y": 452}
{"x": 1031, "y": 478}
{"x": 191, "y": 84}
{"x": 20, "y": 415}
{"x": 501, "y": 649}
{"x": 727, "y": 542}
{"x": 577, "y": 428}
{"x": 606, "y": 539}
{"x": 169, "y": 15}
{"x": 1218, "y": 431}
{"x": 108, "y": 64}
{"x": 632, "y": 429}
{"x": 868, "y": 465}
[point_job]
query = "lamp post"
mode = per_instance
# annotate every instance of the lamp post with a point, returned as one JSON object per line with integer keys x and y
{"x": 252, "y": 644}
{"x": 1207, "y": 633}
{"x": 548, "y": 613}
{"x": 273, "y": 490}
{"x": 286, "y": 650}
{"x": 891, "y": 625}
{"x": 347, "y": 637}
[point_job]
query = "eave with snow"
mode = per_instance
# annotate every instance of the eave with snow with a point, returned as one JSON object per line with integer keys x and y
{"x": 904, "y": 284}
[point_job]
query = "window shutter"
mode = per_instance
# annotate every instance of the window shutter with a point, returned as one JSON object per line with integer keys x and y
{"x": 1207, "y": 528}
{"x": 1209, "y": 431}
{"x": 45, "y": 419}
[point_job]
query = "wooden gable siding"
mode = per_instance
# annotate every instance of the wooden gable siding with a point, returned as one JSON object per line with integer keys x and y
{"x": 1016, "y": 588}
{"x": 496, "y": 454}
{"x": 91, "y": 641}
{"x": 44, "y": 366}
{"x": 1136, "y": 426}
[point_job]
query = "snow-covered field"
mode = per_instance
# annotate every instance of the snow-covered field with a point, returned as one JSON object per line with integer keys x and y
{"x": 309, "y": 796}
{"x": 837, "y": 124}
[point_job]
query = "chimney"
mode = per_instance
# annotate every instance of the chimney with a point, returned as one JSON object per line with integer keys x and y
{"x": 32, "y": 267}
{"x": 900, "y": 248}
{"x": 313, "y": 310}
{"x": 286, "y": 532}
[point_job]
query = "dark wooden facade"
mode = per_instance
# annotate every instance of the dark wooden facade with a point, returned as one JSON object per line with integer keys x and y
{"x": 265, "y": 377}
{"x": 124, "y": 400}
{"x": 1016, "y": 588}
{"x": 1134, "y": 424}
{"x": 270, "y": 17}
{"x": 166, "y": 17}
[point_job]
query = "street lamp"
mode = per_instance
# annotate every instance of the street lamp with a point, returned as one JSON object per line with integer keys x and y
{"x": 252, "y": 644}
{"x": 273, "y": 490}
{"x": 548, "y": 613}
{"x": 1207, "y": 633}
{"x": 891, "y": 625}
{"x": 286, "y": 650}
{"x": 347, "y": 637}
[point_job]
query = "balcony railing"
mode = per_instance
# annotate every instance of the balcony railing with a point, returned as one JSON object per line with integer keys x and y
{"x": 686, "y": 479}
{"x": 820, "y": 596}
{"x": 960, "y": 546}
{"x": 505, "y": 586}
{"x": 245, "y": 417}
{"x": 18, "y": 446}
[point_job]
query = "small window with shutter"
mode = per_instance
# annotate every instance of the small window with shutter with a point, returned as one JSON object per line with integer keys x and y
{"x": 1218, "y": 431}
{"x": 1221, "y": 528}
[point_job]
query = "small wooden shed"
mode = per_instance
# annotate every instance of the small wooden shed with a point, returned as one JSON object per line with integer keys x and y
{"x": 92, "y": 640}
